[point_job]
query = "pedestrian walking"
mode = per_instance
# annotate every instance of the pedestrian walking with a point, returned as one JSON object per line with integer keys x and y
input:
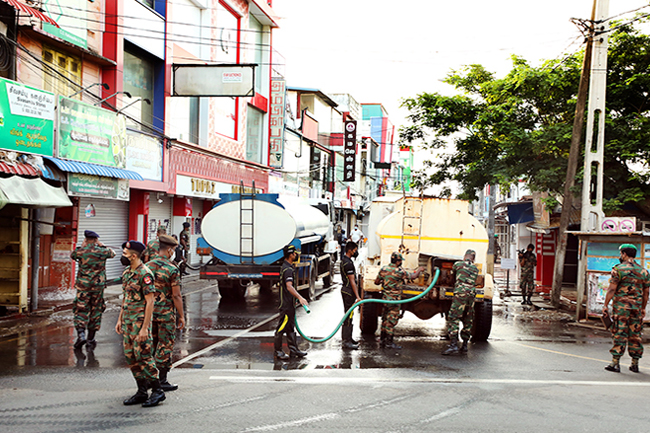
{"x": 527, "y": 261}
{"x": 391, "y": 278}
{"x": 287, "y": 307}
{"x": 357, "y": 235}
{"x": 462, "y": 306}
{"x": 184, "y": 238}
{"x": 134, "y": 324}
{"x": 153, "y": 247}
{"x": 90, "y": 283}
{"x": 167, "y": 310}
{"x": 350, "y": 293}
{"x": 628, "y": 289}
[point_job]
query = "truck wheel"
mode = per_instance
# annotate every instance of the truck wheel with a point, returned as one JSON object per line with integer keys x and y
{"x": 313, "y": 276}
{"x": 482, "y": 320}
{"x": 369, "y": 315}
{"x": 327, "y": 280}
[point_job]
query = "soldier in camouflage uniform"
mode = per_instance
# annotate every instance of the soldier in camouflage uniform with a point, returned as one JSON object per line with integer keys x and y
{"x": 527, "y": 261}
{"x": 462, "y": 306}
{"x": 185, "y": 243}
{"x": 153, "y": 247}
{"x": 167, "y": 308}
{"x": 628, "y": 287}
{"x": 134, "y": 323}
{"x": 90, "y": 283}
{"x": 391, "y": 278}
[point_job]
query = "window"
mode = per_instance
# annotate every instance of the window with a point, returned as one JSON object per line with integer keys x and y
{"x": 258, "y": 47}
{"x": 139, "y": 82}
{"x": 226, "y": 51}
{"x": 63, "y": 72}
{"x": 254, "y": 134}
{"x": 147, "y": 3}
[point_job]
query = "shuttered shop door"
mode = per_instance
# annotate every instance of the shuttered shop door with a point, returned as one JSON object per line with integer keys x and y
{"x": 159, "y": 214}
{"x": 111, "y": 222}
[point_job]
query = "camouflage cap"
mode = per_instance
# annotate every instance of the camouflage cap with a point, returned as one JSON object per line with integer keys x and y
{"x": 161, "y": 229}
{"x": 470, "y": 253}
{"x": 396, "y": 256}
{"x": 168, "y": 240}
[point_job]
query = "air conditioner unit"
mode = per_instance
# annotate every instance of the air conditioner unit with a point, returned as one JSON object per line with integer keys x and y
{"x": 645, "y": 227}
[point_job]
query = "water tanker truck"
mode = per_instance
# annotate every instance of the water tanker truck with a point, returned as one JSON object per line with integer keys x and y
{"x": 247, "y": 232}
{"x": 430, "y": 232}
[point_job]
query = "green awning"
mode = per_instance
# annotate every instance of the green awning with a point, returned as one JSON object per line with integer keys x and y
{"x": 31, "y": 193}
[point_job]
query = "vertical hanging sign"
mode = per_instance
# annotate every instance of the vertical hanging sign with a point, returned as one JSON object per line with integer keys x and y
{"x": 350, "y": 151}
{"x": 276, "y": 121}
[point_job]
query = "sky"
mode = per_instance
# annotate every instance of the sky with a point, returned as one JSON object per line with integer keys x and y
{"x": 383, "y": 51}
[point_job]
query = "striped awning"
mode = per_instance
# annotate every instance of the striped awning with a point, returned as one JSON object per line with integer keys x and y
{"x": 94, "y": 169}
{"x": 31, "y": 11}
{"x": 18, "y": 168}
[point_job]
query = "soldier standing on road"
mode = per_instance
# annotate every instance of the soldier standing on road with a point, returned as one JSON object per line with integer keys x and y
{"x": 134, "y": 324}
{"x": 90, "y": 283}
{"x": 153, "y": 247}
{"x": 628, "y": 287}
{"x": 288, "y": 307}
{"x": 185, "y": 243}
{"x": 349, "y": 292}
{"x": 167, "y": 308}
{"x": 527, "y": 261}
{"x": 391, "y": 278}
{"x": 462, "y": 306}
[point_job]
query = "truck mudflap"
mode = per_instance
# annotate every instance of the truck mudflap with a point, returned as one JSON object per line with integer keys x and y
{"x": 441, "y": 293}
{"x": 239, "y": 272}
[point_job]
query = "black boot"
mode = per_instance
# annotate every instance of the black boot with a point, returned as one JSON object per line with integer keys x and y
{"x": 81, "y": 338}
{"x": 294, "y": 351}
{"x": 524, "y": 301}
{"x": 452, "y": 349}
{"x": 139, "y": 397}
{"x": 389, "y": 343}
{"x": 529, "y": 301}
{"x": 164, "y": 384}
{"x": 383, "y": 339}
{"x": 157, "y": 394}
{"x": 277, "y": 345}
{"x": 91, "y": 343}
{"x": 463, "y": 348}
{"x": 348, "y": 342}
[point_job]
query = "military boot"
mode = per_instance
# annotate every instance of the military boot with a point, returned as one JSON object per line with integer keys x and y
{"x": 164, "y": 384}
{"x": 463, "y": 348}
{"x": 277, "y": 345}
{"x": 523, "y": 302}
{"x": 91, "y": 342}
{"x": 294, "y": 351}
{"x": 452, "y": 349}
{"x": 348, "y": 342}
{"x": 390, "y": 344}
{"x": 634, "y": 367}
{"x": 81, "y": 338}
{"x": 157, "y": 394}
{"x": 615, "y": 365}
{"x": 139, "y": 397}
{"x": 382, "y": 339}
{"x": 529, "y": 301}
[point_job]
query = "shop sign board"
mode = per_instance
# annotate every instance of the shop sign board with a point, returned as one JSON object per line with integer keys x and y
{"x": 90, "y": 134}
{"x": 190, "y": 186}
{"x": 144, "y": 155}
{"x": 26, "y": 119}
{"x": 276, "y": 120}
{"x": 85, "y": 185}
{"x": 350, "y": 151}
{"x": 71, "y": 16}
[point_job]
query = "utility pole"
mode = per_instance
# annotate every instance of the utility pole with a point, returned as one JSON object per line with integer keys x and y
{"x": 574, "y": 153}
{"x": 491, "y": 217}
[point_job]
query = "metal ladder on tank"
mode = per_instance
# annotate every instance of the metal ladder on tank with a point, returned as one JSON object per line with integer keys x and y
{"x": 246, "y": 224}
{"x": 408, "y": 220}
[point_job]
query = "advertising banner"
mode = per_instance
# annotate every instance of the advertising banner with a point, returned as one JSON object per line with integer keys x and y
{"x": 85, "y": 185}
{"x": 276, "y": 119}
{"x": 350, "y": 151}
{"x": 71, "y": 16}
{"x": 144, "y": 155}
{"x": 90, "y": 134}
{"x": 26, "y": 119}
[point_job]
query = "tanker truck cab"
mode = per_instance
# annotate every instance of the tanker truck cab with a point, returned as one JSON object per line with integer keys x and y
{"x": 246, "y": 234}
{"x": 441, "y": 230}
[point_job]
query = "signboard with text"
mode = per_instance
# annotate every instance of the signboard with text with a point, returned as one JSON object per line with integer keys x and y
{"x": 350, "y": 151}
{"x": 71, "y": 16}
{"x": 144, "y": 155}
{"x": 85, "y": 185}
{"x": 276, "y": 120}
{"x": 26, "y": 119}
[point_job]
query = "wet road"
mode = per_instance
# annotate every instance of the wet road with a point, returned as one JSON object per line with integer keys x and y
{"x": 531, "y": 374}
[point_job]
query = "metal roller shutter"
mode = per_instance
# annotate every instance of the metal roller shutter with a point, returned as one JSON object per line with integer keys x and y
{"x": 159, "y": 214}
{"x": 197, "y": 216}
{"x": 111, "y": 222}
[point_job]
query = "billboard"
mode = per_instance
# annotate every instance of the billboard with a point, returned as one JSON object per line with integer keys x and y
{"x": 214, "y": 80}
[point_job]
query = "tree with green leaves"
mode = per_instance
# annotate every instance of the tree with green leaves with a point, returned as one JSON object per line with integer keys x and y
{"x": 501, "y": 130}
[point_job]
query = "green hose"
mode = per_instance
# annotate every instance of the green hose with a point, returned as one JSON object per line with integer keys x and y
{"x": 365, "y": 301}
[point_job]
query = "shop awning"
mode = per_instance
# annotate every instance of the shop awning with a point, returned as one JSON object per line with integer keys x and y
{"x": 31, "y": 193}
{"x": 18, "y": 168}
{"x": 31, "y": 11}
{"x": 94, "y": 169}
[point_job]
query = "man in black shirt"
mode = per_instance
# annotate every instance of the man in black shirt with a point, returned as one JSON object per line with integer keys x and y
{"x": 349, "y": 292}
{"x": 287, "y": 307}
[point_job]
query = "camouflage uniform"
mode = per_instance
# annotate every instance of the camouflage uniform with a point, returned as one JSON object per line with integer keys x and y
{"x": 185, "y": 237}
{"x": 152, "y": 251}
{"x": 90, "y": 283}
{"x": 139, "y": 355}
{"x": 462, "y": 306}
{"x": 391, "y": 277}
{"x": 163, "y": 325}
{"x": 631, "y": 280}
{"x": 527, "y": 284}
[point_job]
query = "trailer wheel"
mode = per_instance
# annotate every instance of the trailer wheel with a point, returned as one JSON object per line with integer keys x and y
{"x": 482, "y": 320}
{"x": 369, "y": 317}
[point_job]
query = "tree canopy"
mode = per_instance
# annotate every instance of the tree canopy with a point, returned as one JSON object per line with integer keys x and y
{"x": 501, "y": 130}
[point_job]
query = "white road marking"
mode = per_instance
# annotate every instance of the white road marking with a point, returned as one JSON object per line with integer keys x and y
{"x": 441, "y": 415}
{"x": 295, "y": 423}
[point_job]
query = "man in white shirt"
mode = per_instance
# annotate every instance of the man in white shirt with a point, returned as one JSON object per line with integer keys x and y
{"x": 356, "y": 235}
